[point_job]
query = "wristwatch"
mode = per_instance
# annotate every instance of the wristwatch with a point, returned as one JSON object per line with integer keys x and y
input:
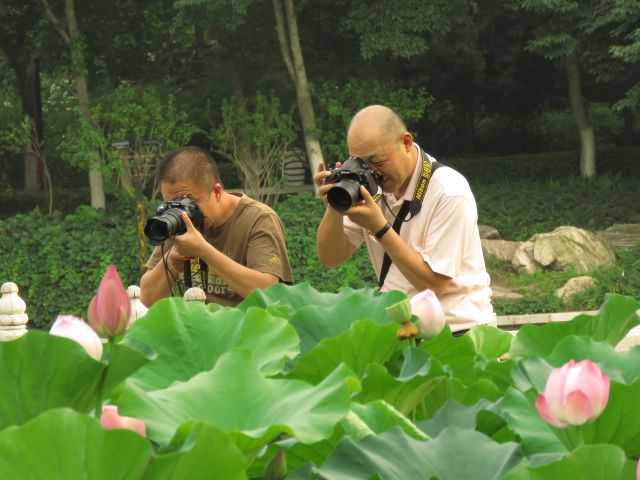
{"x": 378, "y": 235}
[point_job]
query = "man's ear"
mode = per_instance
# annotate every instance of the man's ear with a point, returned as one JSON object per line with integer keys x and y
{"x": 217, "y": 191}
{"x": 407, "y": 141}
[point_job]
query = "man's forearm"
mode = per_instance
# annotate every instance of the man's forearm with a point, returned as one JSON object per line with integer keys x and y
{"x": 332, "y": 243}
{"x": 412, "y": 265}
{"x": 243, "y": 280}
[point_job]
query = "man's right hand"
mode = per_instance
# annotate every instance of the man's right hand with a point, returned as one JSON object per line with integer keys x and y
{"x": 319, "y": 178}
{"x": 174, "y": 261}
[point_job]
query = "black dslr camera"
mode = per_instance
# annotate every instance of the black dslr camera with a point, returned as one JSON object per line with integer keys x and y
{"x": 169, "y": 220}
{"x": 348, "y": 178}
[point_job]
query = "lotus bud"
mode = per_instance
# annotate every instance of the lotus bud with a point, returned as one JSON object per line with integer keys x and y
{"x": 111, "y": 420}
{"x": 574, "y": 394}
{"x": 109, "y": 309}
{"x": 426, "y": 306}
{"x": 401, "y": 311}
{"x": 276, "y": 469}
{"x": 76, "y": 329}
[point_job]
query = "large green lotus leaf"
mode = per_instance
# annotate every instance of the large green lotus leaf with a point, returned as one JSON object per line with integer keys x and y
{"x": 39, "y": 372}
{"x": 466, "y": 416}
{"x": 626, "y": 365}
{"x": 375, "y": 418}
{"x": 62, "y": 444}
{"x": 491, "y": 342}
{"x": 456, "y": 454}
{"x": 454, "y": 389}
{"x": 499, "y": 372}
{"x": 189, "y": 338}
{"x": 457, "y": 353}
{"x": 619, "y": 423}
{"x": 531, "y": 373}
{"x": 419, "y": 375}
{"x": 589, "y": 462}
{"x": 536, "y": 435}
{"x": 365, "y": 343}
{"x": 199, "y": 451}
{"x": 125, "y": 359}
{"x": 317, "y": 323}
{"x": 303, "y": 295}
{"x": 236, "y": 397}
{"x": 612, "y": 322}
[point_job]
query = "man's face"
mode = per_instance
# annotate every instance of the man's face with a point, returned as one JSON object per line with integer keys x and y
{"x": 389, "y": 159}
{"x": 171, "y": 191}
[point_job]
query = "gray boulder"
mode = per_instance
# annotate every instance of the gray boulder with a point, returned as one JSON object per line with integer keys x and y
{"x": 499, "y": 249}
{"x": 573, "y": 286}
{"x": 488, "y": 232}
{"x": 562, "y": 248}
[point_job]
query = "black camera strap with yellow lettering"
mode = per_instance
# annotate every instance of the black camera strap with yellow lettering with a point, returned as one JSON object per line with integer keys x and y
{"x": 413, "y": 207}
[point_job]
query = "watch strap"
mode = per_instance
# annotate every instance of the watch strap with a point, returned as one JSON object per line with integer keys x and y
{"x": 378, "y": 235}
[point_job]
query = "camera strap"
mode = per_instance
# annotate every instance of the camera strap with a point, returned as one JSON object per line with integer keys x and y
{"x": 413, "y": 207}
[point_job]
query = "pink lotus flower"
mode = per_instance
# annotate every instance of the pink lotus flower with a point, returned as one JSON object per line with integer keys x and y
{"x": 111, "y": 420}
{"x": 76, "y": 329}
{"x": 383, "y": 289}
{"x": 575, "y": 394}
{"x": 109, "y": 310}
{"x": 426, "y": 306}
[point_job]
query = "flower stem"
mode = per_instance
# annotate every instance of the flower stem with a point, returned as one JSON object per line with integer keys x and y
{"x": 103, "y": 380}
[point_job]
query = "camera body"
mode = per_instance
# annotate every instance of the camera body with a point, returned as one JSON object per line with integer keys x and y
{"x": 347, "y": 179}
{"x": 169, "y": 221}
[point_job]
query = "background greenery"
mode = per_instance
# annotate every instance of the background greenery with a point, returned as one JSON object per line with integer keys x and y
{"x": 57, "y": 260}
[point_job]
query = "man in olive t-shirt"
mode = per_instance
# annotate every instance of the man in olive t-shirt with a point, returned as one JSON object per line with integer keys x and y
{"x": 243, "y": 245}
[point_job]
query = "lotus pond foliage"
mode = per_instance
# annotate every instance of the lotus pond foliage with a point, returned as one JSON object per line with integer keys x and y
{"x": 299, "y": 384}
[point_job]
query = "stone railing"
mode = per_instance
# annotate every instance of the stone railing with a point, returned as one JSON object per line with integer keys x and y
{"x": 13, "y": 316}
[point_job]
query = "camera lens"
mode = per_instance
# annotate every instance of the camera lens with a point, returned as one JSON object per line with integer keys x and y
{"x": 344, "y": 193}
{"x": 159, "y": 229}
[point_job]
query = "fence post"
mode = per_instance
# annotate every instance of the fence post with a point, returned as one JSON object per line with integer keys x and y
{"x": 194, "y": 294}
{"x": 137, "y": 307}
{"x": 13, "y": 319}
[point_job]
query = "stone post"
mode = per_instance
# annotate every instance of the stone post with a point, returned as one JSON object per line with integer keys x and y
{"x": 195, "y": 294}
{"x": 13, "y": 320}
{"x": 137, "y": 308}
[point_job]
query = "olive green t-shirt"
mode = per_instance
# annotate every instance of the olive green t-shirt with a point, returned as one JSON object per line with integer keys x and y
{"x": 252, "y": 236}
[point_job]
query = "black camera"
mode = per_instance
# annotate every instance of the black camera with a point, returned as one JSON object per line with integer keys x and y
{"x": 348, "y": 178}
{"x": 169, "y": 220}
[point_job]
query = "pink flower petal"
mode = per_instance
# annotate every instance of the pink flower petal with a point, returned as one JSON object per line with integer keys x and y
{"x": 577, "y": 408}
{"x": 110, "y": 420}
{"x": 545, "y": 412}
{"x": 76, "y": 329}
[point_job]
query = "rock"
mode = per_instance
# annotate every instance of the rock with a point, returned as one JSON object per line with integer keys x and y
{"x": 563, "y": 248}
{"x": 523, "y": 259}
{"x": 501, "y": 293}
{"x": 488, "y": 232}
{"x": 573, "y": 286}
{"x": 499, "y": 249}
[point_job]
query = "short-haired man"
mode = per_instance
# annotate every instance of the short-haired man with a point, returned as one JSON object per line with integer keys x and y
{"x": 243, "y": 245}
{"x": 438, "y": 247}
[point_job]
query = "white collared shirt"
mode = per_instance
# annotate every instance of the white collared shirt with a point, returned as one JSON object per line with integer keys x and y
{"x": 445, "y": 233}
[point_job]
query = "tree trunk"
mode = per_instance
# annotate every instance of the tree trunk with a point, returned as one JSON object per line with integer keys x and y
{"x": 72, "y": 39}
{"x": 287, "y": 29}
{"x": 585, "y": 128}
{"x": 28, "y": 74}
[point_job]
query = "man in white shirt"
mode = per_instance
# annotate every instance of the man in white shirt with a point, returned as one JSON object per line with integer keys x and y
{"x": 438, "y": 245}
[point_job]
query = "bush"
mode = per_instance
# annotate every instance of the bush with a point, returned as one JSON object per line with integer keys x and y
{"x": 57, "y": 261}
{"x": 301, "y": 214}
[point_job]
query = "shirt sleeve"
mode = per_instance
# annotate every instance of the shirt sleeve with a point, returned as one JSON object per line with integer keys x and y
{"x": 267, "y": 251}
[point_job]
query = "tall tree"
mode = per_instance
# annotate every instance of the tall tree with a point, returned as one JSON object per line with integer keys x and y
{"x": 289, "y": 39}
{"x": 16, "y": 41}
{"x": 70, "y": 33}
{"x": 560, "y": 35}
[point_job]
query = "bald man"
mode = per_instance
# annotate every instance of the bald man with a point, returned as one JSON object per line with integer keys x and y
{"x": 243, "y": 245}
{"x": 437, "y": 246}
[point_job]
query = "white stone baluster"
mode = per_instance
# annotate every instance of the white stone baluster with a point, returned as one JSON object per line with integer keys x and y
{"x": 137, "y": 308}
{"x": 195, "y": 294}
{"x": 13, "y": 319}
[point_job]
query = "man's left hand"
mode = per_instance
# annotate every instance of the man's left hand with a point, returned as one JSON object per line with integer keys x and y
{"x": 366, "y": 213}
